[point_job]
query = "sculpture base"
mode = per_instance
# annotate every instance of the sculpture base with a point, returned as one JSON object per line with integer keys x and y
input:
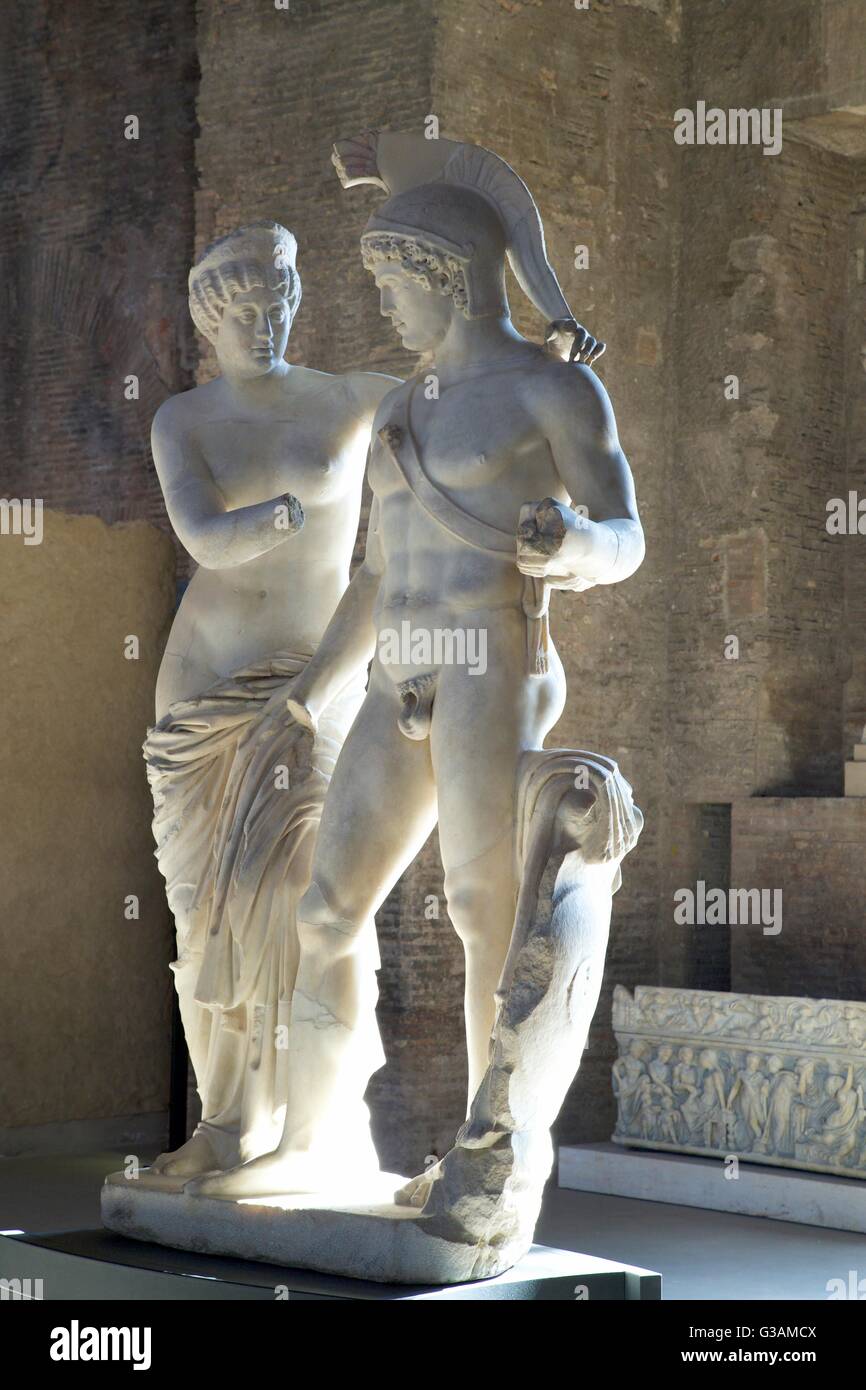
{"x": 98, "y": 1266}
{"x": 362, "y": 1236}
{"x": 783, "y": 1194}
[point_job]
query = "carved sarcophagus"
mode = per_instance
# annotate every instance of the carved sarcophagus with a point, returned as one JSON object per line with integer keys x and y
{"x": 766, "y": 1078}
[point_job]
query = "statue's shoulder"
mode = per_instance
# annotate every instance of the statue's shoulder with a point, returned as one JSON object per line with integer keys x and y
{"x": 182, "y": 412}
{"x": 558, "y": 388}
{"x": 370, "y": 391}
{"x": 559, "y": 380}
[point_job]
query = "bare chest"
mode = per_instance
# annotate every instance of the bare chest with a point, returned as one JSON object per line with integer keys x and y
{"x": 251, "y": 460}
{"x": 480, "y": 446}
{"x": 472, "y": 434}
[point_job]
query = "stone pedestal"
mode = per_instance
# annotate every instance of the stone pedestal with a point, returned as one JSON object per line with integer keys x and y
{"x": 813, "y": 1199}
{"x": 95, "y": 1265}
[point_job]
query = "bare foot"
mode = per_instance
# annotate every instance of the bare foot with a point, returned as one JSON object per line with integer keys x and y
{"x": 417, "y": 1190}
{"x": 194, "y": 1157}
{"x": 271, "y": 1175}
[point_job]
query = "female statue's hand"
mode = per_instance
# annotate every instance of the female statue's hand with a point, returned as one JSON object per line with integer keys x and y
{"x": 301, "y": 714}
{"x": 288, "y": 514}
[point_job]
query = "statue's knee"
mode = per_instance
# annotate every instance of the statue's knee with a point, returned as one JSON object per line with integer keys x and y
{"x": 322, "y": 927}
{"x": 466, "y": 895}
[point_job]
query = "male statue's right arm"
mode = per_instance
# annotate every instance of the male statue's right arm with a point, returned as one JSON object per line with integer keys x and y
{"x": 348, "y": 641}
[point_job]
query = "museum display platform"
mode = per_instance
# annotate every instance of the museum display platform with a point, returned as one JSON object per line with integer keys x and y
{"x": 783, "y": 1194}
{"x": 98, "y": 1265}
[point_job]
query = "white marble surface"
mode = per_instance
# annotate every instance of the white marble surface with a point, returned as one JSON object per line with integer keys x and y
{"x": 813, "y": 1199}
{"x": 237, "y": 786}
{"x": 772, "y": 1079}
{"x": 362, "y": 1234}
{"x": 505, "y": 482}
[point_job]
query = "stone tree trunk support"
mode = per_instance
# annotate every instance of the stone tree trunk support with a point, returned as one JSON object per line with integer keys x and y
{"x": 576, "y": 822}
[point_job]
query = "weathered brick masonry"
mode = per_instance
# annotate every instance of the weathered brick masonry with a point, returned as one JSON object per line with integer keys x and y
{"x": 96, "y": 233}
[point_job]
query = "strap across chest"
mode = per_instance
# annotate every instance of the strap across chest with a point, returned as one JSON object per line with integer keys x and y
{"x": 398, "y": 438}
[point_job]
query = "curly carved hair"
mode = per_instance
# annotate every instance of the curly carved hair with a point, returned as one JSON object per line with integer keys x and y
{"x": 425, "y": 264}
{"x": 261, "y": 256}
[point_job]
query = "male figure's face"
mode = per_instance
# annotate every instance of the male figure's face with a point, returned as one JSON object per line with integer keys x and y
{"x": 422, "y": 317}
{"x": 253, "y": 333}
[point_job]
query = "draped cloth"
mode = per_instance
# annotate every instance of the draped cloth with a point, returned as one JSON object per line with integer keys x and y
{"x": 238, "y": 789}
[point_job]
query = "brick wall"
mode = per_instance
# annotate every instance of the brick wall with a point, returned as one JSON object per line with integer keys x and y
{"x": 95, "y": 237}
{"x": 811, "y": 849}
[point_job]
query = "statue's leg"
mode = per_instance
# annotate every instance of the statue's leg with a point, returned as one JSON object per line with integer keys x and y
{"x": 214, "y": 1144}
{"x": 487, "y": 1190}
{"x": 482, "y": 724}
{"x": 574, "y": 830}
{"x": 217, "y": 1043}
{"x": 196, "y": 1019}
{"x": 379, "y": 810}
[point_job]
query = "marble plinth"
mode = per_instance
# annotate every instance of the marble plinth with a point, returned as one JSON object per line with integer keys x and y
{"x": 362, "y": 1236}
{"x": 812, "y": 1199}
{"x": 101, "y": 1266}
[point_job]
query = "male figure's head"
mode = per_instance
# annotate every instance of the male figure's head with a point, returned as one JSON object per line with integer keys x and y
{"x": 243, "y": 294}
{"x": 436, "y": 251}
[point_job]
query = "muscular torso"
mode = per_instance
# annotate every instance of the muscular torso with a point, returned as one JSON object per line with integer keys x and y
{"x": 312, "y": 443}
{"x": 480, "y": 445}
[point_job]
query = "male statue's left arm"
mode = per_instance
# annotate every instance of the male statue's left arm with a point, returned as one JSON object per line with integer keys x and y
{"x": 592, "y": 534}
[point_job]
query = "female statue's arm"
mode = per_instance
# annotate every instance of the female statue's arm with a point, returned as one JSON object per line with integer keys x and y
{"x": 216, "y": 537}
{"x": 598, "y": 539}
{"x": 348, "y": 641}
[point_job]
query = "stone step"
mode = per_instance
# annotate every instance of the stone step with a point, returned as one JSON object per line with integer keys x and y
{"x": 782, "y": 1194}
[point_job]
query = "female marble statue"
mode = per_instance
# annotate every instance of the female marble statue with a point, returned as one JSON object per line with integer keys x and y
{"x": 237, "y": 787}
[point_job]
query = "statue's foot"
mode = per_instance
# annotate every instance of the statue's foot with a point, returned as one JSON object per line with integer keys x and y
{"x": 415, "y": 1192}
{"x": 272, "y": 1175}
{"x": 196, "y": 1156}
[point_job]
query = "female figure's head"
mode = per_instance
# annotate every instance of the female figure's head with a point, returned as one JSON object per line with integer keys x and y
{"x": 243, "y": 294}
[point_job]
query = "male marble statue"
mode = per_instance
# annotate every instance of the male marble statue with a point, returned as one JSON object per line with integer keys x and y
{"x": 236, "y": 812}
{"x": 461, "y": 559}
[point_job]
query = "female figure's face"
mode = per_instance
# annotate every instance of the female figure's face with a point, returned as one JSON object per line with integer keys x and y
{"x": 422, "y": 317}
{"x": 253, "y": 333}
